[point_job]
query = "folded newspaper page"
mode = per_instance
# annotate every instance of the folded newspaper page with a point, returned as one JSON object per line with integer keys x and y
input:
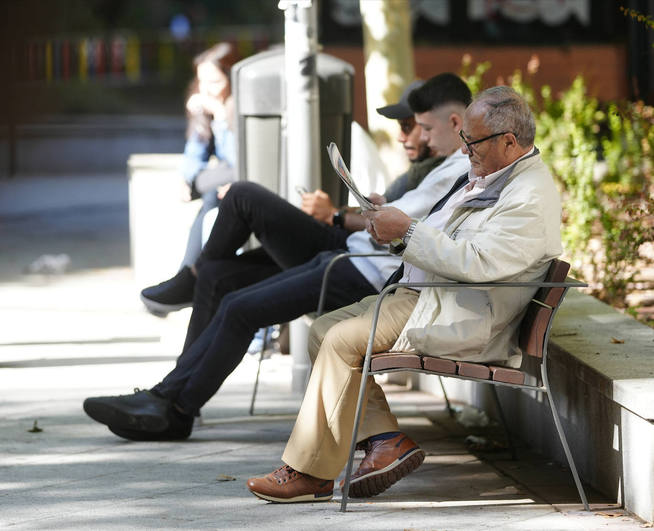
{"x": 342, "y": 171}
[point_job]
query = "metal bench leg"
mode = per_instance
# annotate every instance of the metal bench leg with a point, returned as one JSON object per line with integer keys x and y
{"x": 564, "y": 441}
{"x": 355, "y": 432}
{"x": 507, "y": 433}
{"x": 256, "y": 380}
{"x": 447, "y": 400}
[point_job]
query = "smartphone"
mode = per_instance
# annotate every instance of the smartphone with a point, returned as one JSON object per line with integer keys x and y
{"x": 301, "y": 190}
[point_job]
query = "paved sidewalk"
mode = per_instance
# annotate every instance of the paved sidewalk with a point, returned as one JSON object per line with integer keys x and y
{"x": 84, "y": 333}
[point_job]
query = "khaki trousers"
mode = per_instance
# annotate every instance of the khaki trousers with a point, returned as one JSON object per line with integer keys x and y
{"x": 320, "y": 442}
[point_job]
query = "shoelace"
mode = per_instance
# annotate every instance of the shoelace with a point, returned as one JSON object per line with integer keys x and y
{"x": 284, "y": 473}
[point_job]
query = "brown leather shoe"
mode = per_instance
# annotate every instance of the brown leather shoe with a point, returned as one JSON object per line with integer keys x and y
{"x": 385, "y": 463}
{"x": 286, "y": 485}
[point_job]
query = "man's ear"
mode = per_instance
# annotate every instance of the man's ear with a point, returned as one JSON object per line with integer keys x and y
{"x": 510, "y": 140}
{"x": 456, "y": 121}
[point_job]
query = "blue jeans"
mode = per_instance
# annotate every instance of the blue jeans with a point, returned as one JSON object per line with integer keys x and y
{"x": 218, "y": 278}
{"x": 206, "y": 363}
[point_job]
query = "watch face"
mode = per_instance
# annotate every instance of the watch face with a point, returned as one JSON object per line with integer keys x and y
{"x": 396, "y": 246}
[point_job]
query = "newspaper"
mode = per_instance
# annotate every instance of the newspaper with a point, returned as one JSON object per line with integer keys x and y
{"x": 342, "y": 171}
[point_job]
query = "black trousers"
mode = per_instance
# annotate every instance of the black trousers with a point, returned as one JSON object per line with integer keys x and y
{"x": 288, "y": 237}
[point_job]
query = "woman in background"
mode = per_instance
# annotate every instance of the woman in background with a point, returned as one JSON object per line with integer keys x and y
{"x": 210, "y": 131}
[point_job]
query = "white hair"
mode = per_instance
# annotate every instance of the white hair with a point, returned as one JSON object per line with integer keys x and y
{"x": 506, "y": 110}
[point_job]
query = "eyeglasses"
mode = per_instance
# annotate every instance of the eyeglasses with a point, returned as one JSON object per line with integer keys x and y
{"x": 407, "y": 125}
{"x": 470, "y": 144}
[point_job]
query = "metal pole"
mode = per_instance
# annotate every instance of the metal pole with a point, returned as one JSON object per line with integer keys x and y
{"x": 302, "y": 97}
{"x": 302, "y": 118}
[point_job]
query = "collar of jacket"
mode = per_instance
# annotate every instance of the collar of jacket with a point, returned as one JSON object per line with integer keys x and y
{"x": 491, "y": 195}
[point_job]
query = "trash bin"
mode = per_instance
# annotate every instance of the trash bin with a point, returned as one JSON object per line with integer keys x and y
{"x": 257, "y": 86}
{"x": 260, "y": 107}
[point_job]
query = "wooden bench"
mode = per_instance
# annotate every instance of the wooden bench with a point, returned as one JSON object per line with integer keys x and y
{"x": 534, "y": 334}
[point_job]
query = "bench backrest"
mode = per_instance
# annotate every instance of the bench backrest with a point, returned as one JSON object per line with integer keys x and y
{"x": 537, "y": 318}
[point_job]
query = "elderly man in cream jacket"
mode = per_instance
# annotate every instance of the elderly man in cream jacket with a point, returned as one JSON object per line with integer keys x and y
{"x": 504, "y": 225}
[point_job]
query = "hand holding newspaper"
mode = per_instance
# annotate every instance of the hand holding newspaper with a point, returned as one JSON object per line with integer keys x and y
{"x": 397, "y": 245}
{"x": 342, "y": 171}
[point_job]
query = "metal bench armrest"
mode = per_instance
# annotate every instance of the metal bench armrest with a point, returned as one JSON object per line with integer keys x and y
{"x": 328, "y": 269}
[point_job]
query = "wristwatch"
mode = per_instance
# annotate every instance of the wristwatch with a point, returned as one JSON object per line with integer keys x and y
{"x": 398, "y": 245}
{"x": 338, "y": 219}
{"x": 409, "y": 233}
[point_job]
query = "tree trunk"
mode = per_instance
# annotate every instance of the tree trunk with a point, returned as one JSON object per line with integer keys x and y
{"x": 389, "y": 67}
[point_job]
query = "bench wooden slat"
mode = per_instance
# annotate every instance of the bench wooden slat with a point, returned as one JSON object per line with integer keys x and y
{"x": 395, "y": 360}
{"x": 473, "y": 370}
{"x": 533, "y": 328}
{"x": 507, "y": 375}
{"x": 557, "y": 272}
{"x": 440, "y": 365}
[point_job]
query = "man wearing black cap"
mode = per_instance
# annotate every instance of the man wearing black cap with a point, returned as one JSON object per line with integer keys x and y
{"x": 291, "y": 240}
{"x": 177, "y": 292}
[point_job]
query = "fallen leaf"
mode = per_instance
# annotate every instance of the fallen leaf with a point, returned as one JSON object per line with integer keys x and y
{"x": 223, "y": 477}
{"x": 617, "y": 341}
{"x": 610, "y": 515}
{"x": 35, "y": 429}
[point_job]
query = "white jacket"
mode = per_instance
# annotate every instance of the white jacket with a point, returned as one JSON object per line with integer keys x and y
{"x": 510, "y": 232}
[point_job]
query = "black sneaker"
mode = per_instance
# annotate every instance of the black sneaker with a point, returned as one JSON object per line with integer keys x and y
{"x": 170, "y": 295}
{"x": 179, "y": 428}
{"x": 141, "y": 411}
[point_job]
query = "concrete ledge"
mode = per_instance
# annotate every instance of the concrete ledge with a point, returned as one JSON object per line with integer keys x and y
{"x": 604, "y": 359}
{"x": 159, "y": 220}
{"x": 591, "y": 332}
{"x": 604, "y": 391}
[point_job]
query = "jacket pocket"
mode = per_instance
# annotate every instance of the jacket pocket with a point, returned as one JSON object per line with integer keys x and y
{"x": 463, "y": 325}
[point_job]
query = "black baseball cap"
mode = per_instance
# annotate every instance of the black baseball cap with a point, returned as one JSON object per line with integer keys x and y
{"x": 401, "y": 109}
